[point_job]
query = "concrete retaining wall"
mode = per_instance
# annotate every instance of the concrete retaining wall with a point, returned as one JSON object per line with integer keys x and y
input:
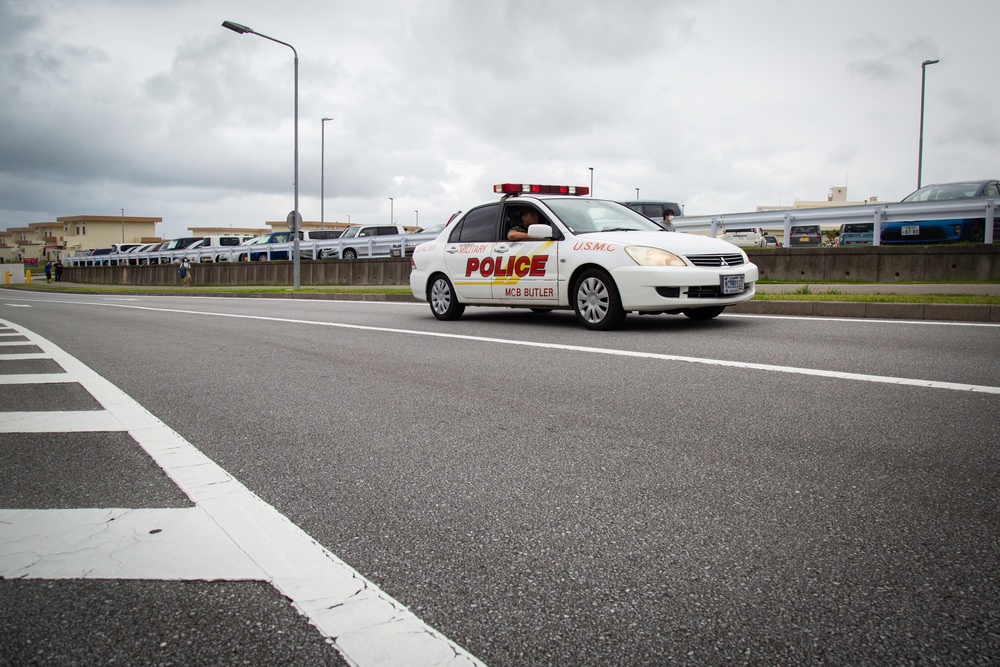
{"x": 884, "y": 264}
{"x": 970, "y": 263}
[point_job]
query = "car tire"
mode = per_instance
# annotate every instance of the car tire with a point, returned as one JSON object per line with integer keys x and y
{"x": 596, "y": 301}
{"x": 704, "y": 313}
{"x": 443, "y": 300}
{"x": 350, "y": 253}
{"x": 977, "y": 235}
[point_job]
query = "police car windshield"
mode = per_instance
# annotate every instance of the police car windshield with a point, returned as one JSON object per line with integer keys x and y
{"x": 583, "y": 215}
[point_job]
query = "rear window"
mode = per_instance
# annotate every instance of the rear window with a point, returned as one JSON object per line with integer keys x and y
{"x": 858, "y": 228}
{"x": 805, "y": 229}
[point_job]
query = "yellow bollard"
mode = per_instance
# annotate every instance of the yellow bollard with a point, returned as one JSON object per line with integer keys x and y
{"x": 6, "y": 277}
{"x": 27, "y": 276}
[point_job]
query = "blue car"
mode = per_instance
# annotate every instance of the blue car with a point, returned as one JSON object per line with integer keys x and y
{"x": 944, "y": 231}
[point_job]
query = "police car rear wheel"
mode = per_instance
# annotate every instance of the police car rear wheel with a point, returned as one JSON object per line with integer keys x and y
{"x": 444, "y": 303}
{"x": 596, "y": 301}
{"x": 704, "y": 313}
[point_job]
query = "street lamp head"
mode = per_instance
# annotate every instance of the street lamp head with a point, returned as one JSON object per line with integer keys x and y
{"x": 325, "y": 119}
{"x": 236, "y": 27}
{"x": 929, "y": 62}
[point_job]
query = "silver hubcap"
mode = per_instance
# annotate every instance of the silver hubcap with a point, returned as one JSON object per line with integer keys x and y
{"x": 593, "y": 300}
{"x": 440, "y": 296}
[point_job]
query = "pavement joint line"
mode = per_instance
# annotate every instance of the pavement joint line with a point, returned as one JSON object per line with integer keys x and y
{"x": 366, "y": 625}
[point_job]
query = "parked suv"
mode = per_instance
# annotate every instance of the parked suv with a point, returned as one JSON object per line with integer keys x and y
{"x": 366, "y": 241}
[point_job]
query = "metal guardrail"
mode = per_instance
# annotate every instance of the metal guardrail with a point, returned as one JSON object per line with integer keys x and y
{"x": 382, "y": 246}
{"x": 977, "y": 207}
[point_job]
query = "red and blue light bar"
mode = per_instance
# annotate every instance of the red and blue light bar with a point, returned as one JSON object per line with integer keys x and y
{"x": 534, "y": 189}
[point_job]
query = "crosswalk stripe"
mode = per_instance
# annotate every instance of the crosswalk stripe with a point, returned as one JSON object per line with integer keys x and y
{"x": 68, "y": 421}
{"x": 119, "y": 544}
{"x": 36, "y": 378}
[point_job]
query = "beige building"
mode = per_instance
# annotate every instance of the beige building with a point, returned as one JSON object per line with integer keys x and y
{"x": 41, "y": 241}
{"x": 837, "y": 196}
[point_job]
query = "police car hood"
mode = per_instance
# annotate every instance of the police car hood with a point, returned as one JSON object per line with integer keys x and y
{"x": 675, "y": 242}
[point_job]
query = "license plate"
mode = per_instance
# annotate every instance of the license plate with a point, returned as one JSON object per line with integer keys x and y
{"x": 733, "y": 284}
{"x": 803, "y": 239}
{"x": 910, "y": 230}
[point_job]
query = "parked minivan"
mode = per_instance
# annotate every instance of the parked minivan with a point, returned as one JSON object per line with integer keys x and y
{"x": 805, "y": 235}
{"x": 654, "y": 210}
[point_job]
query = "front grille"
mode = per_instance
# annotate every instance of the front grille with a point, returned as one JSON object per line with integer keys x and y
{"x": 734, "y": 259}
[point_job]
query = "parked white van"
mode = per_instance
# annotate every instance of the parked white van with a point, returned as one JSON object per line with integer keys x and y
{"x": 216, "y": 248}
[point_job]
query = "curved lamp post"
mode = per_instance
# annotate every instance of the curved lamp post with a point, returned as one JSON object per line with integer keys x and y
{"x": 242, "y": 29}
{"x": 920, "y": 153}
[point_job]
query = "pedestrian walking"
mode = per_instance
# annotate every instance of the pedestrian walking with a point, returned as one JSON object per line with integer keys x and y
{"x": 184, "y": 271}
{"x": 48, "y": 271}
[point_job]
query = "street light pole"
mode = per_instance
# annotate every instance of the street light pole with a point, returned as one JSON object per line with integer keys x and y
{"x": 296, "y": 267}
{"x": 322, "y": 170}
{"x": 123, "y": 225}
{"x": 591, "y": 181}
{"x": 390, "y": 212}
{"x": 920, "y": 153}
{"x": 418, "y": 218}
{"x": 637, "y": 193}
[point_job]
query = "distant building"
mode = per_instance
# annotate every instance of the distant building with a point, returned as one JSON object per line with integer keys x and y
{"x": 837, "y": 196}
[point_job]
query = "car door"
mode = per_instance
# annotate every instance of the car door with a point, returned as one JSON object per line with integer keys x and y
{"x": 525, "y": 272}
{"x": 468, "y": 254}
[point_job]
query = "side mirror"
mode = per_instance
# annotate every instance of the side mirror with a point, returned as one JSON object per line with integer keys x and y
{"x": 539, "y": 232}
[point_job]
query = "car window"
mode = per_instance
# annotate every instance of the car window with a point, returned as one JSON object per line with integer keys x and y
{"x": 858, "y": 228}
{"x": 229, "y": 240}
{"x": 584, "y": 215}
{"x": 805, "y": 229}
{"x": 991, "y": 190}
{"x": 478, "y": 226}
{"x": 387, "y": 231}
{"x": 946, "y": 191}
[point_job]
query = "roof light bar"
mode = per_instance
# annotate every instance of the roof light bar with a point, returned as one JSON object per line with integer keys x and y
{"x": 535, "y": 189}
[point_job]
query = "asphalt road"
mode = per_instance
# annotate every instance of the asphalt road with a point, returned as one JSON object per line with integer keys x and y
{"x": 749, "y": 490}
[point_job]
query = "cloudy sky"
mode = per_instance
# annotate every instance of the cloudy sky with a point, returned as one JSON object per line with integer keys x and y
{"x": 722, "y": 105}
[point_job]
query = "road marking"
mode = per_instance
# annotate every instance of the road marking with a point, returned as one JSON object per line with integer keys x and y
{"x": 120, "y": 544}
{"x": 368, "y": 627}
{"x": 69, "y": 421}
{"x": 793, "y": 370}
{"x": 36, "y": 378}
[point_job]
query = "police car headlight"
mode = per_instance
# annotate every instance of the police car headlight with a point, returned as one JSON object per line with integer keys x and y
{"x": 644, "y": 256}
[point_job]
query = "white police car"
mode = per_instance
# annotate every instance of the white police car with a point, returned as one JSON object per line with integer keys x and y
{"x": 598, "y": 257}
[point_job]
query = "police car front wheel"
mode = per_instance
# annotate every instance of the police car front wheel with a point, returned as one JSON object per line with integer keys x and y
{"x": 596, "y": 301}
{"x": 444, "y": 303}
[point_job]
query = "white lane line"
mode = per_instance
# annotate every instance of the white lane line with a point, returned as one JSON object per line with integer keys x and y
{"x": 14, "y": 343}
{"x": 119, "y": 544}
{"x": 23, "y": 356}
{"x": 368, "y": 627}
{"x": 69, "y": 421}
{"x": 794, "y": 370}
{"x": 864, "y": 320}
{"x": 37, "y": 378}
